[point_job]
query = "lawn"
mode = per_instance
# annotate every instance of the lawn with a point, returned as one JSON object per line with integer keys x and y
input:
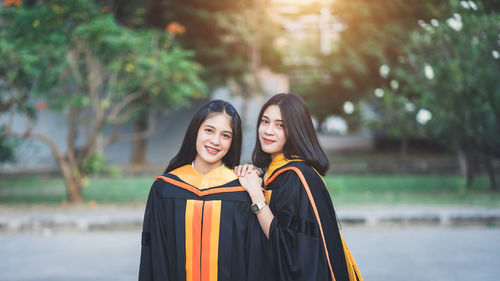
{"x": 345, "y": 190}
{"x": 409, "y": 190}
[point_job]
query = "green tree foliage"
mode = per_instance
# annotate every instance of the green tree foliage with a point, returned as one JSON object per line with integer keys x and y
{"x": 72, "y": 57}
{"x": 372, "y": 34}
{"x": 221, "y": 34}
{"x": 396, "y": 116}
{"x": 451, "y": 68}
{"x": 6, "y": 150}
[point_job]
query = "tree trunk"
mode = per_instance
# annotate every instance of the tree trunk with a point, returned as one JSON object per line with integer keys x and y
{"x": 139, "y": 146}
{"x": 491, "y": 174}
{"x": 403, "y": 149}
{"x": 73, "y": 181}
{"x": 467, "y": 167}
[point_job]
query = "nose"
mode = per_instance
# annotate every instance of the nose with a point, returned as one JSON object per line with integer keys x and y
{"x": 268, "y": 129}
{"x": 215, "y": 140}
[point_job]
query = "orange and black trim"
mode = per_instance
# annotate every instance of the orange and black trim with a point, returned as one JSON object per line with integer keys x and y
{"x": 199, "y": 192}
{"x": 202, "y": 239}
{"x": 313, "y": 204}
{"x": 352, "y": 268}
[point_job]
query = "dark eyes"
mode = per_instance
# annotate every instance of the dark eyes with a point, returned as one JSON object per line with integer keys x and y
{"x": 211, "y": 131}
{"x": 265, "y": 121}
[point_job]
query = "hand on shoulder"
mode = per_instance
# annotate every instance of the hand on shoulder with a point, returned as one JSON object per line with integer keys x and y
{"x": 242, "y": 170}
{"x": 250, "y": 179}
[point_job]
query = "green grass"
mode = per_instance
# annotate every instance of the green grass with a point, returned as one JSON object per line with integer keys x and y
{"x": 345, "y": 190}
{"x": 409, "y": 190}
{"x": 51, "y": 190}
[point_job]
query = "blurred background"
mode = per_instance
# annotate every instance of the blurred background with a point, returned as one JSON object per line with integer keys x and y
{"x": 95, "y": 97}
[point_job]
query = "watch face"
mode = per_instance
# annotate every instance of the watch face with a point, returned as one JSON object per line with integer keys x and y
{"x": 254, "y": 208}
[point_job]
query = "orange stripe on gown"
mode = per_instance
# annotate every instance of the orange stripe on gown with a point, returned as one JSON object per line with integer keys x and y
{"x": 214, "y": 240}
{"x": 193, "y": 239}
{"x": 202, "y": 241}
{"x": 205, "y": 251}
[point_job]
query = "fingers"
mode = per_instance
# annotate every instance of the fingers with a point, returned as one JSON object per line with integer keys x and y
{"x": 245, "y": 169}
{"x": 237, "y": 170}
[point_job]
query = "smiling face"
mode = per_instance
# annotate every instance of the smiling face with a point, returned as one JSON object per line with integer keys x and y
{"x": 272, "y": 131}
{"x": 213, "y": 142}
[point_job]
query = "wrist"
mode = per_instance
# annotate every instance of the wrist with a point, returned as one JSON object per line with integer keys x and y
{"x": 257, "y": 207}
{"x": 257, "y": 196}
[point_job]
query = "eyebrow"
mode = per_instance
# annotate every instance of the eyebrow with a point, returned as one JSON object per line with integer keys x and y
{"x": 213, "y": 127}
{"x": 264, "y": 116}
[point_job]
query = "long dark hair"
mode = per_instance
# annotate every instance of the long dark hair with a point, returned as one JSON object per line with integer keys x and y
{"x": 301, "y": 139}
{"x": 187, "y": 153}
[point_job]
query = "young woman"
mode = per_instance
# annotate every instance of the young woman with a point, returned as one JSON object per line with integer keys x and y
{"x": 304, "y": 242}
{"x": 198, "y": 225}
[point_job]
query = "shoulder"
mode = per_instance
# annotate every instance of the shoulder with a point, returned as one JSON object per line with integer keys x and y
{"x": 306, "y": 177}
{"x": 303, "y": 170}
{"x": 297, "y": 171}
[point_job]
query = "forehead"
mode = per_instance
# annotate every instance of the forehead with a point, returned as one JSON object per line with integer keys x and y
{"x": 273, "y": 112}
{"x": 220, "y": 121}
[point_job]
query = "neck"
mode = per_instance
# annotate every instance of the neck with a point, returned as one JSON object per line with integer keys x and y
{"x": 203, "y": 167}
{"x": 273, "y": 155}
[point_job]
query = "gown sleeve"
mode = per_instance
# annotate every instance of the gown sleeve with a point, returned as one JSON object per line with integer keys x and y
{"x": 295, "y": 246}
{"x": 152, "y": 244}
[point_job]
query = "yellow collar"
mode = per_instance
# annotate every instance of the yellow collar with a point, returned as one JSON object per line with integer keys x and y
{"x": 217, "y": 177}
{"x": 278, "y": 161}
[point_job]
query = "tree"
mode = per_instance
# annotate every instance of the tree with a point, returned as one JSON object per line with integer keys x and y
{"x": 370, "y": 34}
{"x": 396, "y": 116}
{"x": 227, "y": 37}
{"x": 214, "y": 30}
{"x": 72, "y": 57}
{"x": 6, "y": 150}
{"x": 451, "y": 68}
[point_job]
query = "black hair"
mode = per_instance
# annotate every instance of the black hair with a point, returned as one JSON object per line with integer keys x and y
{"x": 301, "y": 138}
{"x": 187, "y": 153}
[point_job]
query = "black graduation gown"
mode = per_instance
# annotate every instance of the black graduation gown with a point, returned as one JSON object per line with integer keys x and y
{"x": 297, "y": 241}
{"x": 200, "y": 228}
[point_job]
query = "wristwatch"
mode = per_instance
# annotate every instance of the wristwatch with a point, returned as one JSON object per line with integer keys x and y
{"x": 257, "y": 207}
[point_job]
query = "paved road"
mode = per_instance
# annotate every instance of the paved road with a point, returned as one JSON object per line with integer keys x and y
{"x": 418, "y": 254}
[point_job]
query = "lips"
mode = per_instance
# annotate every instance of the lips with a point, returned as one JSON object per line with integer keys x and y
{"x": 211, "y": 150}
{"x": 268, "y": 141}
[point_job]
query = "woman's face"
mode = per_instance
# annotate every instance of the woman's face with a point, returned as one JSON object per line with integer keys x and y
{"x": 214, "y": 140}
{"x": 272, "y": 131}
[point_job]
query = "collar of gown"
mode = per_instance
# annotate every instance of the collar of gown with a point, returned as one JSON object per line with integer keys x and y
{"x": 278, "y": 161}
{"x": 216, "y": 177}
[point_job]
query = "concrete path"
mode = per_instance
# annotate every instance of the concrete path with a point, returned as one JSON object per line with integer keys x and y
{"x": 382, "y": 254}
{"x": 105, "y": 218}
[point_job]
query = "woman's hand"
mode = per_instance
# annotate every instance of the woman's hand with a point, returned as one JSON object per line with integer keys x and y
{"x": 242, "y": 170}
{"x": 251, "y": 182}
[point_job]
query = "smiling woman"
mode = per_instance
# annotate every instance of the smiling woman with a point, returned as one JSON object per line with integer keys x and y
{"x": 197, "y": 203}
{"x": 295, "y": 210}
{"x": 213, "y": 142}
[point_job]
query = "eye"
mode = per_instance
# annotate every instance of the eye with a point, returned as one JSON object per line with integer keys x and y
{"x": 226, "y": 136}
{"x": 209, "y": 130}
{"x": 264, "y": 121}
{"x": 281, "y": 125}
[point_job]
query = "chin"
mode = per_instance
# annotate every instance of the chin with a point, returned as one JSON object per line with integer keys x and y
{"x": 269, "y": 151}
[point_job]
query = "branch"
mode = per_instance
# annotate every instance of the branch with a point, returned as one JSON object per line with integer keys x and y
{"x": 91, "y": 141}
{"x": 123, "y": 118}
{"x": 127, "y": 100}
{"x": 115, "y": 137}
{"x": 72, "y": 134}
{"x": 73, "y": 65}
{"x": 94, "y": 81}
{"x": 56, "y": 152}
